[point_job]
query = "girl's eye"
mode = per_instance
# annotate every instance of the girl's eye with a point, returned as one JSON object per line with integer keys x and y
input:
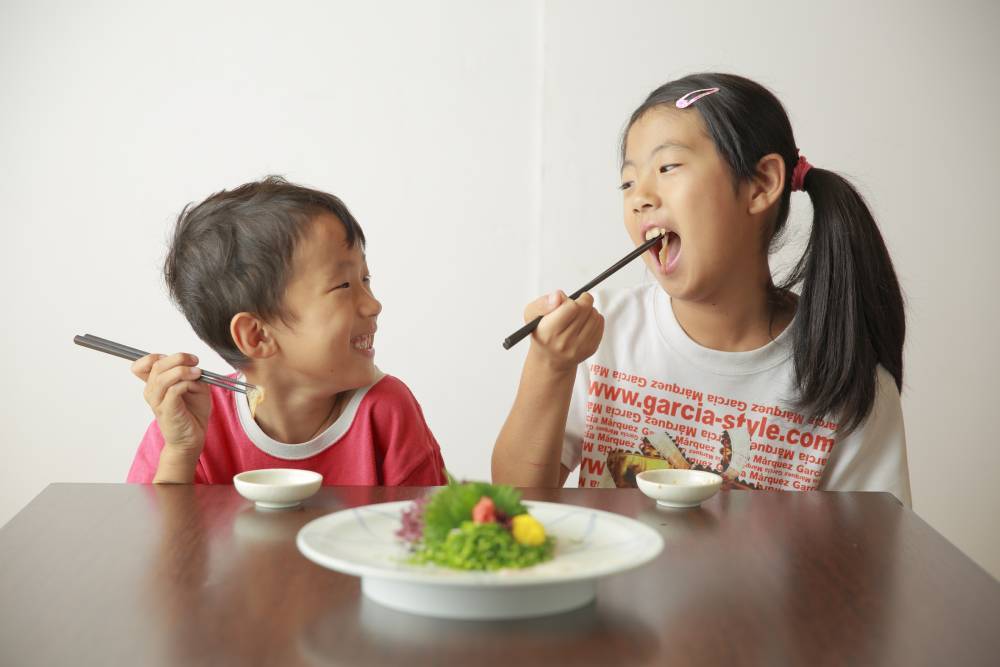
{"x": 340, "y": 286}
{"x": 368, "y": 279}
{"x": 668, "y": 167}
{"x": 625, "y": 186}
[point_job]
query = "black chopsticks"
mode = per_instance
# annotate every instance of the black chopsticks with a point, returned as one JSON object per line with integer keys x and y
{"x": 513, "y": 339}
{"x": 131, "y": 353}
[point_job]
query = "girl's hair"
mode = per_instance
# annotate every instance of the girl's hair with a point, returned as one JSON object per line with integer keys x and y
{"x": 233, "y": 253}
{"x": 850, "y": 312}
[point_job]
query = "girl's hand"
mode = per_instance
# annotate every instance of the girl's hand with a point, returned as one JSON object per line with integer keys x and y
{"x": 180, "y": 403}
{"x": 569, "y": 332}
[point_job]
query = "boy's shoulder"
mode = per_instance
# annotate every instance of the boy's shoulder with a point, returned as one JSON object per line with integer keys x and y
{"x": 390, "y": 391}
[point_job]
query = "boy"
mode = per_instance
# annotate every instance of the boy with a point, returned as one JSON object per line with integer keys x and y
{"x": 273, "y": 277}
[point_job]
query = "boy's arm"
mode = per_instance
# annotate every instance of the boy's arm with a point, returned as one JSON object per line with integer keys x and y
{"x": 411, "y": 455}
{"x": 157, "y": 464}
{"x": 182, "y": 407}
{"x": 429, "y": 472}
{"x": 147, "y": 457}
{"x": 175, "y": 467}
{"x": 528, "y": 449}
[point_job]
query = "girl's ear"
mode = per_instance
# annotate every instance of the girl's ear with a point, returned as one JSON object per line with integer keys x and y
{"x": 767, "y": 184}
{"x": 252, "y": 336}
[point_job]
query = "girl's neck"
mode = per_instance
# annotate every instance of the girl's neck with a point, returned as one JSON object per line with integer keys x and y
{"x": 291, "y": 414}
{"x": 743, "y": 317}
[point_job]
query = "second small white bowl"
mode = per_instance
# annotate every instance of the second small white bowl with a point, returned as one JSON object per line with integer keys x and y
{"x": 677, "y": 487}
{"x": 277, "y": 488}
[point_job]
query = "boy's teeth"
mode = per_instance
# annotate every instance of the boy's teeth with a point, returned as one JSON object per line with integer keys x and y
{"x": 363, "y": 343}
{"x": 654, "y": 232}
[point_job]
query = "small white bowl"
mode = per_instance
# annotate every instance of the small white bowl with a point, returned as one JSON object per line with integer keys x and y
{"x": 677, "y": 487}
{"x": 277, "y": 488}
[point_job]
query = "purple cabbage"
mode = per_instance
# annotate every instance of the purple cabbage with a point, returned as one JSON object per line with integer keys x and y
{"x": 412, "y": 528}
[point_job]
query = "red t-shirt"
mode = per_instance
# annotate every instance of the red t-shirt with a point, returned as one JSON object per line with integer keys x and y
{"x": 380, "y": 439}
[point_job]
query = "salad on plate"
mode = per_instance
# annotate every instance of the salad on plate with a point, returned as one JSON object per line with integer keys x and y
{"x": 474, "y": 526}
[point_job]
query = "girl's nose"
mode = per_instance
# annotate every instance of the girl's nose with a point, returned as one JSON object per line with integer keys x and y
{"x": 644, "y": 196}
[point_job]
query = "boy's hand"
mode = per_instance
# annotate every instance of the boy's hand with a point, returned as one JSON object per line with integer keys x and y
{"x": 569, "y": 332}
{"x": 180, "y": 403}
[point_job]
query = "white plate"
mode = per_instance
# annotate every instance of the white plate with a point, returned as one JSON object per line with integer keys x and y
{"x": 589, "y": 544}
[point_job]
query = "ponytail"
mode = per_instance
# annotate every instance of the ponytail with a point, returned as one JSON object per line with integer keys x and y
{"x": 850, "y": 314}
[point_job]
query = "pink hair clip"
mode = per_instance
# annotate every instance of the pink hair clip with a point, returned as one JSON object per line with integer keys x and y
{"x": 686, "y": 101}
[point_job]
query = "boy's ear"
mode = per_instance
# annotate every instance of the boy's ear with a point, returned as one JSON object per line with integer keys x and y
{"x": 252, "y": 336}
{"x": 767, "y": 184}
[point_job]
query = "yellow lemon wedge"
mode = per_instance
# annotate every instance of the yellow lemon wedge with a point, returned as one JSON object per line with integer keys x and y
{"x": 527, "y": 531}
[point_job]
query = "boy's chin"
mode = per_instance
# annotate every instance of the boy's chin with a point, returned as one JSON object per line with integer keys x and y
{"x": 365, "y": 377}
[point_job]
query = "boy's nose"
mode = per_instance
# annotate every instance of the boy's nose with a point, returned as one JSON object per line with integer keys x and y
{"x": 370, "y": 306}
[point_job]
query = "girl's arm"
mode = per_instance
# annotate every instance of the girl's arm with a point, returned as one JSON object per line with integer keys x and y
{"x": 528, "y": 448}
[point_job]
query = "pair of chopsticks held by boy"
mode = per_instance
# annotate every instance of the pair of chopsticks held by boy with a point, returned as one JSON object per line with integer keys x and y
{"x": 273, "y": 276}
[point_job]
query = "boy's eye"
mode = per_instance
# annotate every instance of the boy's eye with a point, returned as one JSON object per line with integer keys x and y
{"x": 668, "y": 167}
{"x": 625, "y": 186}
{"x": 368, "y": 279}
{"x": 340, "y": 286}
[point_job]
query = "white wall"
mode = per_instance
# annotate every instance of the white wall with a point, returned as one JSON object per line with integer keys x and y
{"x": 476, "y": 143}
{"x": 903, "y": 98}
{"x": 421, "y": 116}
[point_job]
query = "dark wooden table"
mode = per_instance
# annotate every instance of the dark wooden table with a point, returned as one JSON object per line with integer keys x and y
{"x": 94, "y": 574}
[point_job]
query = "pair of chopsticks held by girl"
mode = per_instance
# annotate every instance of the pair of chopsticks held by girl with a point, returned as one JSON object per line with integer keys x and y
{"x": 777, "y": 386}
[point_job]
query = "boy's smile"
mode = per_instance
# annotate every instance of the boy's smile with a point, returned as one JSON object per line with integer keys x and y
{"x": 363, "y": 344}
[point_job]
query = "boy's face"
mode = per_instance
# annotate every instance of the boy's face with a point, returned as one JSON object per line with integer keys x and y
{"x": 328, "y": 341}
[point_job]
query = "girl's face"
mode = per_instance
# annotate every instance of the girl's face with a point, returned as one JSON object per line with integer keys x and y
{"x": 674, "y": 179}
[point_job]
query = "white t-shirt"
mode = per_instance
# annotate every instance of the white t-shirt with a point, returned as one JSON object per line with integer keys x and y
{"x": 651, "y": 397}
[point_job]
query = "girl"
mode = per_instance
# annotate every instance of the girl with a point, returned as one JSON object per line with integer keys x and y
{"x": 801, "y": 390}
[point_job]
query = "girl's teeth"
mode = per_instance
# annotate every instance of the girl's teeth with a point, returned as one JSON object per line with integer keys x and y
{"x": 363, "y": 343}
{"x": 654, "y": 232}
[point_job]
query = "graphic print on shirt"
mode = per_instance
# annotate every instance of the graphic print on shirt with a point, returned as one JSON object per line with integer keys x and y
{"x": 636, "y": 423}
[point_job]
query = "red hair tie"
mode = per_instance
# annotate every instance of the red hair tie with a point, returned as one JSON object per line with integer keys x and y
{"x": 802, "y": 168}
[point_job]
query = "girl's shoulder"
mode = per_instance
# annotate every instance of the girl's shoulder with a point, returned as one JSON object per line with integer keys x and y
{"x": 631, "y": 325}
{"x": 618, "y": 299}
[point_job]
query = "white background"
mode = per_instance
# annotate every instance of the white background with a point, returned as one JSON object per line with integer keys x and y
{"x": 476, "y": 142}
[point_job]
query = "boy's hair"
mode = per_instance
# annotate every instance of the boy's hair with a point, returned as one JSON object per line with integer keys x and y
{"x": 850, "y": 315}
{"x": 233, "y": 253}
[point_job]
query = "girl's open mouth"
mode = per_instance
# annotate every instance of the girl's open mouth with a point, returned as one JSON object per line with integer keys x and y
{"x": 667, "y": 251}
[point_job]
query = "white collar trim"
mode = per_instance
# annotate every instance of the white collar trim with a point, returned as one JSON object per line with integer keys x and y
{"x": 296, "y": 452}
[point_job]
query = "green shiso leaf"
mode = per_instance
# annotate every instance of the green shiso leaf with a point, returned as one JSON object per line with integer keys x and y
{"x": 450, "y": 507}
